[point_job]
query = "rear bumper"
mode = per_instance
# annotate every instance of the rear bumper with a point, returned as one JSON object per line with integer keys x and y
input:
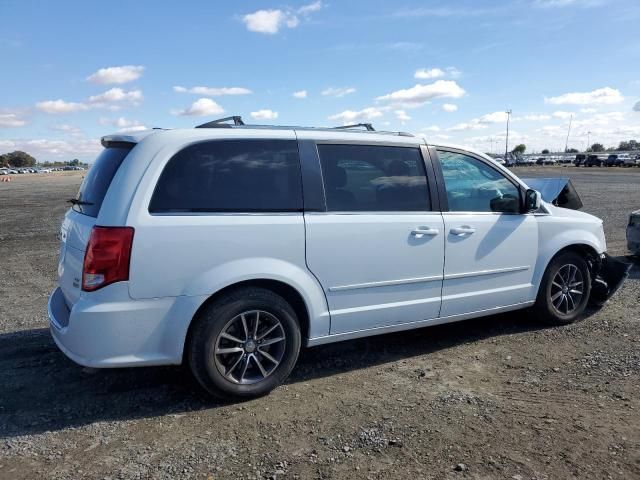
{"x": 103, "y": 333}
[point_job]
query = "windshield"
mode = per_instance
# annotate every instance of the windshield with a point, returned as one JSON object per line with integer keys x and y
{"x": 96, "y": 183}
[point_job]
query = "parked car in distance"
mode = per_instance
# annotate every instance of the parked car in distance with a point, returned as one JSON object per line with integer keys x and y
{"x": 616, "y": 160}
{"x": 593, "y": 161}
{"x": 630, "y": 161}
{"x": 580, "y": 159}
{"x": 230, "y": 247}
{"x": 633, "y": 233}
{"x": 4, "y": 171}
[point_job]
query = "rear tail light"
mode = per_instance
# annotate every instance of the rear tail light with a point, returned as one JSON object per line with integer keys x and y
{"x": 107, "y": 258}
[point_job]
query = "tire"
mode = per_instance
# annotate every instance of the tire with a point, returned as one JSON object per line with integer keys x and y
{"x": 557, "y": 302}
{"x": 224, "y": 375}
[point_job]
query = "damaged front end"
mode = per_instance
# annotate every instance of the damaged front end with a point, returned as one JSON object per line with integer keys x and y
{"x": 557, "y": 191}
{"x": 608, "y": 275}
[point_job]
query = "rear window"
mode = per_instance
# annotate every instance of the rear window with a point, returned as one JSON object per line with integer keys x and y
{"x": 98, "y": 178}
{"x": 231, "y": 176}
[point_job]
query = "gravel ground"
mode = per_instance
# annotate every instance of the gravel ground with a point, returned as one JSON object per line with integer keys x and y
{"x": 497, "y": 397}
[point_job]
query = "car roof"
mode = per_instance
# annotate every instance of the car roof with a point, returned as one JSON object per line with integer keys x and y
{"x": 258, "y": 131}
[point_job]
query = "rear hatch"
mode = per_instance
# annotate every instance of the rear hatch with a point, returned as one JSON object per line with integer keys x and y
{"x": 82, "y": 216}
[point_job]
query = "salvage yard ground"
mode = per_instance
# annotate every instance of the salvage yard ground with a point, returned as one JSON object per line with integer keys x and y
{"x": 496, "y": 397}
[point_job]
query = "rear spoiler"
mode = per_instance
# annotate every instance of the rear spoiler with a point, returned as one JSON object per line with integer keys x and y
{"x": 558, "y": 191}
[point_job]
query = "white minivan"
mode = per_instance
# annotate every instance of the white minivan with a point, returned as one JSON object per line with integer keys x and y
{"x": 230, "y": 247}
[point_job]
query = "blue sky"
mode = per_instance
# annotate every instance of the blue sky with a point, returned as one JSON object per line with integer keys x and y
{"x": 75, "y": 70}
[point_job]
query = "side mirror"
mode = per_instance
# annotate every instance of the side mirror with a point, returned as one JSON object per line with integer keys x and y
{"x": 532, "y": 200}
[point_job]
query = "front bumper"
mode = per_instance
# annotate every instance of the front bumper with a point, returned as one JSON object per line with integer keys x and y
{"x": 633, "y": 239}
{"x": 111, "y": 330}
{"x": 610, "y": 274}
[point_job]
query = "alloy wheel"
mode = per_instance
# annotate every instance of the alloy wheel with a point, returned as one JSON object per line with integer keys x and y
{"x": 250, "y": 347}
{"x": 567, "y": 289}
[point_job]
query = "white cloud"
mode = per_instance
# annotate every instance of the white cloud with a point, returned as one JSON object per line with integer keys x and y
{"x": 271, "y": 21}
{"x": 115, "y": 95}
{"x": 300, "y": 94}
{"x": 562, "y": 115}
{"x": 424, "y": 73}
{"x": 267, "y": 21}
{"x": 420, "y": 94}
{"x": 200, "y": 108}
{"x": 213, "y": 91}
{"x": 60, "y": 106}
{"x": 481, "y": 122}
{"x": 600, "y": 96}
{"x": 534, "y": 117}
{"x": 119, "y": 75}
{"x": 449, "y": 107}
{"x": 495, "y": 117}
{"x": 588, "y": 110}
{"x": 402, "y": 116}
{"x": 11, "y": 120}
{"x": 123, "y": 124}
{"x": 66, "y": 128}
{"x": 264, "y": 114}
{"x": 351, "y": 116}
{"x": 112, "y": 99}
{"x": 337, "y": 92}
{"x": 133, "y": 128}
{"x": 432, "y": 128}
{"x": 310, "y": 8}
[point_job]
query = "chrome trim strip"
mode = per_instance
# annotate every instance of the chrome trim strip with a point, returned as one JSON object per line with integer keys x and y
{"x": 453, "y": 276}
{"x": 385, "y": 283}
{"x": 338, "y": 337}
{"x": 374, "y": 212}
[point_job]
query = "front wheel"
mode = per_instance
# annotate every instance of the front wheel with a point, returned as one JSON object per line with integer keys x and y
{"x": 244, "y": 344}
{"x": 564, "y": 291}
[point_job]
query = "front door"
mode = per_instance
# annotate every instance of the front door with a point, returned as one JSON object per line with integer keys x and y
{"x": 491, "y": 248}
{"x": 378, "y": 248}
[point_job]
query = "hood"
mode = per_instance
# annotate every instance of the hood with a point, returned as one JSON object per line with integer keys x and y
{"x": 557, "y": 191}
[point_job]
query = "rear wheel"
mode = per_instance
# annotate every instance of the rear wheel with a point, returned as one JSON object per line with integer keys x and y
{"x": 564, "y": 291}
{"x": 244, "y": 344}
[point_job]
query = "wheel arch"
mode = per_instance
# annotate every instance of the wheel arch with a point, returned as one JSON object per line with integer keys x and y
{"x": 584, "y": 249}
{"x": 285, "y": 290}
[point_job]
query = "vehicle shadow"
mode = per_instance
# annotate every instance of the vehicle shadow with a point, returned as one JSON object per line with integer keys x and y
{"x": 44, "y": 391}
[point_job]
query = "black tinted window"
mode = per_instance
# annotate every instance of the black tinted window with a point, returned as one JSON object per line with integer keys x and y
{"x": 96, "y": 182}
{"x": 473, "y": 186}
{"x": 231, "y": 176}
{"x": 373, "y": 178}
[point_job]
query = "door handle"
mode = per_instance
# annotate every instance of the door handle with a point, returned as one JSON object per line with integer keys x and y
{"x": 464, "y": 230}
{"x": 421, "y": 232}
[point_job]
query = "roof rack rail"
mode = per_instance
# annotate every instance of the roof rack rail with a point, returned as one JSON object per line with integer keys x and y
{"x": 222, "y": 122}
{"x": 368, "y": 126}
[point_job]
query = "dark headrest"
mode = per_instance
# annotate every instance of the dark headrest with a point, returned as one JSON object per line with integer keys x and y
{"x": 335, "y": 176}
{"x": 398, "y": 168}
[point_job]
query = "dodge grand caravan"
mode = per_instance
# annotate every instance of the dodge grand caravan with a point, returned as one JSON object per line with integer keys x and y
{"x": 230, "y": 247}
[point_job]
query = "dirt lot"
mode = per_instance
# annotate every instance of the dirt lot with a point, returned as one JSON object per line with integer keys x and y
{"x": 498, "y": 397}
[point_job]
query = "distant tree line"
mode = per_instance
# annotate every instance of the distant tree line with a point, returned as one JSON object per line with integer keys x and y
{"x": 630, "y": 146}
{"x": 19, "y": 159}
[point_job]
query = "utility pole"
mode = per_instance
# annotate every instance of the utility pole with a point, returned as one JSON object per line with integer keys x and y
{"x": 588, "y": 136}
{"x": 566, "y": 144}
{"x": 506, "y": 144}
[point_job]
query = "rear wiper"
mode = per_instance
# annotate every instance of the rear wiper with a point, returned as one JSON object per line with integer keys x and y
{"x": 75, "y": 201}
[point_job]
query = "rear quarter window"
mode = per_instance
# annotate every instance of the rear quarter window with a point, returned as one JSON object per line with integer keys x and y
{"x": 97, "y": 180}
{"x": 231, "y": 176}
